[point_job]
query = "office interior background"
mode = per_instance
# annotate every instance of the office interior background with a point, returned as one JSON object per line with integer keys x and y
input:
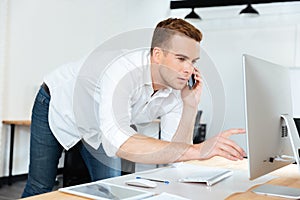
{"x": 38, "y": 36}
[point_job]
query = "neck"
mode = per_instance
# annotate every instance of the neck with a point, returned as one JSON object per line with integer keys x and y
{"x": 155, "y": 77}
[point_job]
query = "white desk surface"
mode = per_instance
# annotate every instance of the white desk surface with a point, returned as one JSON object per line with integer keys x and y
{"x": 238, "y": 182}
{"x": 233, "y": 186}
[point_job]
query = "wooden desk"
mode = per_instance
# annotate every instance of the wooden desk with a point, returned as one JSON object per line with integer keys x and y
{"x": 12, "y": 124}
{"x": 288, "y": 176}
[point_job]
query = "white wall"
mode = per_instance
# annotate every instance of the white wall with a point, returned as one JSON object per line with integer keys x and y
{"x": 273, "y": 43}
{"x": 44, "y": 34}
{"x": 3, "y": 39}
{"x": 273, "y": 36}
{"x": 295, "y": 82}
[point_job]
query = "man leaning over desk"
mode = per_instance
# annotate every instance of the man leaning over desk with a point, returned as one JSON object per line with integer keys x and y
{"x": 95, "y": 103}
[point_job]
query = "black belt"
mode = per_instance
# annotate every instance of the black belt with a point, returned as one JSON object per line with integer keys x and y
{"x": 45, "y": 87}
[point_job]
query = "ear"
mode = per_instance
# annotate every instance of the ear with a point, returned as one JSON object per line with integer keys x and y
{"x": 157, "y": 55}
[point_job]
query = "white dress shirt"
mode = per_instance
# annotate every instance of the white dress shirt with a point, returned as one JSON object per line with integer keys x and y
{"x": 97, "y": 101}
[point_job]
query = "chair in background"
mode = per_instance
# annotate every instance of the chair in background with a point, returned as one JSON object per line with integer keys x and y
{"x": 75, "y": 171}
{"x": 199, "y": 129}
{"x": 297, "y": 122}
{"x": 128, "y": 167}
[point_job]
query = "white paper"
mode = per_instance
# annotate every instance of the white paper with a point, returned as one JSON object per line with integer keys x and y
{"x": 166, "y": 196}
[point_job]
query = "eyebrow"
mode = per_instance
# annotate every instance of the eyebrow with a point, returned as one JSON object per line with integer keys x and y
{"x": 182, "y": 55}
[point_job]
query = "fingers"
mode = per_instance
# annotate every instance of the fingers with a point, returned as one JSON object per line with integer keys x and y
{"x": 199, "y": 81}
{"x": 228, "y": 156}
{"x": 233, "y": 131}
{"x": 197, "y": 74}
{"x": 236, "y": 149}
{"x": 222, "y": 146}
{"x": 230, "y": 149}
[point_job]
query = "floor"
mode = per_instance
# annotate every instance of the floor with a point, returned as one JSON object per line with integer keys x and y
{"x": 14, "y": 191}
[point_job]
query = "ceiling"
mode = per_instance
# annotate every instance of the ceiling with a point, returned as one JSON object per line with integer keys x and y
{"x": 216, "y": 3}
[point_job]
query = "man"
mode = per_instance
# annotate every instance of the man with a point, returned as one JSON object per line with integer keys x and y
{"x": 81, "y": 102}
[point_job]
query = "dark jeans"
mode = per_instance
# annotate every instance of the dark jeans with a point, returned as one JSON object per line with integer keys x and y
{"x": 45, "y": 152}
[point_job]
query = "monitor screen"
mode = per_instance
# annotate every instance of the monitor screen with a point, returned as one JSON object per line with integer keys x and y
{"x": 268, "y": 97}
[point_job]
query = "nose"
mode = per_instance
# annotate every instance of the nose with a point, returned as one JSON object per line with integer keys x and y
{"x": 188, "y": 68}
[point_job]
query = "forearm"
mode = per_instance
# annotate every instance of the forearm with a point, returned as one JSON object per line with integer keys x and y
{"x": 142, "y": 149}
{"x": 185, "y": 128}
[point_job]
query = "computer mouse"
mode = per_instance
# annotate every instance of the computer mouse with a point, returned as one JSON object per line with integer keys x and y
{"x": 141, "y": 183}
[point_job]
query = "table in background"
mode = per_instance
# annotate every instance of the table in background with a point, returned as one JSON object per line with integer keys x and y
{"x": 288, "y": 176}
{"x": 13, "y": 124}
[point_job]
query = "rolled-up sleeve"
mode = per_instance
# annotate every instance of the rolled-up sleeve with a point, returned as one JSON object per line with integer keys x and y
{"x": 115, "y": 107}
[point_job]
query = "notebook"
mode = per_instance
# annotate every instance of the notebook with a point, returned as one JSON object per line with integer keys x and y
{"x": 101, "y": 190}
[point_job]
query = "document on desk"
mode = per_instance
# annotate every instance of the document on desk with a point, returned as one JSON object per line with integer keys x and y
{"x": 167, "y": 196}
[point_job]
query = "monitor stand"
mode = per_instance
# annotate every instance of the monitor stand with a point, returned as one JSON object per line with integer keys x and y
{"x": 293, "y": 135}
{"x": 284, "y": 191}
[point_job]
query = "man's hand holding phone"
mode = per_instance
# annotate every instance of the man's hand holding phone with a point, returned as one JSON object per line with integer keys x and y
{"x": 191, "y": 94}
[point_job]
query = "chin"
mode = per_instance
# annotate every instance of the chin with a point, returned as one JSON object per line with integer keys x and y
{"x": 178, "y": 87}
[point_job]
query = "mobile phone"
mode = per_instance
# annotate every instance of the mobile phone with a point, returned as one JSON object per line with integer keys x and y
{"x": 191, "y": 81}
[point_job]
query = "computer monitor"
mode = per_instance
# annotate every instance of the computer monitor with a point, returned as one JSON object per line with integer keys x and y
{"x": 272, "y": 138}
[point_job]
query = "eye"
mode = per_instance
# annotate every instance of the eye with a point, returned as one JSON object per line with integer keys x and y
{"x": 195, "y": 61}
{"x": 182, "y": 59}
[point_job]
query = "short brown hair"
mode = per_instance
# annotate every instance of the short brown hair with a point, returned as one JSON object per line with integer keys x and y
{"x": 167, "y": 28}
